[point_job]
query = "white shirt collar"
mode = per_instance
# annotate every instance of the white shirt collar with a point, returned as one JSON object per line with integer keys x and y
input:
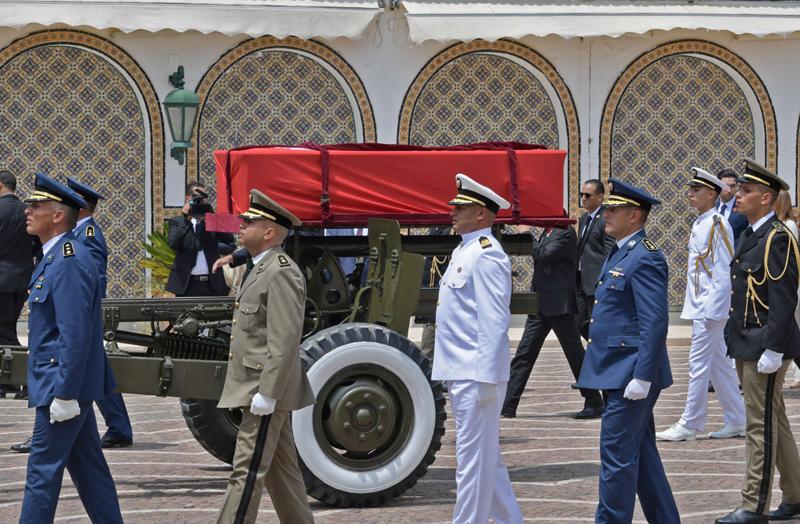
{"x": 622, "y": 241}
{"x": 467, "y": 237}
{"x": 761, "y": 220}
{"x": 81, "y": 222}
{"x": 47, "y": 246}
{"x": 260, "y": 256}
{"x": 703, "y": 216}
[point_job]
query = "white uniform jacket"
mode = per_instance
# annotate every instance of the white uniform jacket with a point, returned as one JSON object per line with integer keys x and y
{"x": 473, "y": 314}
{"x": 708, "y": 278}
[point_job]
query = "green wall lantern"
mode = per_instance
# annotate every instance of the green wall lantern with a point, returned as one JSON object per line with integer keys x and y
{"x": 181, "y": 105}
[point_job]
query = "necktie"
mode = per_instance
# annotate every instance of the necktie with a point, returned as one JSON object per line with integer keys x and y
{"x": 249, "y": 265}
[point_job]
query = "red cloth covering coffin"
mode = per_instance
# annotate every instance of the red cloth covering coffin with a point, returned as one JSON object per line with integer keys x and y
{"x": 346, "y": 184}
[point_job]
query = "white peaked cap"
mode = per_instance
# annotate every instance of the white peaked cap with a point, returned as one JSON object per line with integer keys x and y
{"x": 471, "y": 192}
{"x": 704, "y": 178}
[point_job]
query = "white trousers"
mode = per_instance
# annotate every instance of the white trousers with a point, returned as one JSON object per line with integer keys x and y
{"x": 708, "y": 361}
{"x": 483, "y": 488}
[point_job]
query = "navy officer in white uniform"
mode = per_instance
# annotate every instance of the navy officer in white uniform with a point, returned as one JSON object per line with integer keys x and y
{"x": 707, "y": 304}
{"x": 627, "y": 357}
{"x": 473, "y": 353}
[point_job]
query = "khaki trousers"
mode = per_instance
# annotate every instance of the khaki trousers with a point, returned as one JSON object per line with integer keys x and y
{"x": 265, "y": 456}
{"x": 770, "y": 442}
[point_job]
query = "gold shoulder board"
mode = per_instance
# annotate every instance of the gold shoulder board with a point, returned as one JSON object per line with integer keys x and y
{"x": 485, "y": 242}
{"x": 283, "y": 261}
{"x": 69, "y": 251}
{"x": 649, "y": 244}
{"x": 89, "y": 231}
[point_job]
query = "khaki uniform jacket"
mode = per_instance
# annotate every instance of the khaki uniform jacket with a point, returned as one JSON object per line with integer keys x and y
{"x": 265, "y": 339}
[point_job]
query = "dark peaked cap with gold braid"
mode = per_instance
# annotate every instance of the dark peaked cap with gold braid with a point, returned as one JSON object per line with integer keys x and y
{"x": 263, "y": 207}
{"x": 46, "y": 189}
{"x": 755, "y": 173}
{"x": 471, "y": 192}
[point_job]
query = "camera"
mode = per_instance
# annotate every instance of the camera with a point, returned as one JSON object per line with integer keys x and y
{"x": 198, "y": 206}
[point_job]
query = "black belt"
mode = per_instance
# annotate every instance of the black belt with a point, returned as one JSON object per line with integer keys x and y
{"x": 201, "y": 278}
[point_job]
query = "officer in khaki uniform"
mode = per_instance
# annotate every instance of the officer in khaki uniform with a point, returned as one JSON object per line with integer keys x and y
{"x": 265, "y": 378}
{"x": 763, "y": 339}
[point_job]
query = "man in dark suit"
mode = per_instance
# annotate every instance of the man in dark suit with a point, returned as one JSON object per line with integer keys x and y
{"x": 196, "y": 249}
{"x": 726, "y": 201}
{"x": 17, "y": 250}
{"x": 554, "y": 262}
{"x": 593, "y": 247}
{"x": 763, "y": 339}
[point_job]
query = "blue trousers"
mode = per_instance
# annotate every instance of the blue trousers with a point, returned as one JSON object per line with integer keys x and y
{"x": 73, "y": 444}
{"x": 631, "y": 465}
{"x": 116, "y": 416}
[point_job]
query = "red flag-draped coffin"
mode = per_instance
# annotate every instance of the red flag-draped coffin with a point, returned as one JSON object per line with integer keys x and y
{"x": 406, "y": 183}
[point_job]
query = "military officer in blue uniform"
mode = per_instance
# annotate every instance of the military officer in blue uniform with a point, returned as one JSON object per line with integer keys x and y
{"x": 626, "y": 357}
{"x": 67, "y": 366}
{"x": 119, "y": 433}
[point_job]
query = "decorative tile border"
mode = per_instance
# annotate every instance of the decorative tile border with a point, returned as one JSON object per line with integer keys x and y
{"x": 700, "y": 47}
{"x": 319, "y": 50}
{"x": 507, "y": 47}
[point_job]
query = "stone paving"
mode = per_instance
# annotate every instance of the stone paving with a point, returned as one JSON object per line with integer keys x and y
{"x": 553, "y": 461}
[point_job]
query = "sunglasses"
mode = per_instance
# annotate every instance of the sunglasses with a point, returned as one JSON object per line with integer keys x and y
{"x": 586, "y": 195}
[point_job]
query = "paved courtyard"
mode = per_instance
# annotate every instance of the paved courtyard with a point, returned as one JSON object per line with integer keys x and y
{"x": 553, "y": 461}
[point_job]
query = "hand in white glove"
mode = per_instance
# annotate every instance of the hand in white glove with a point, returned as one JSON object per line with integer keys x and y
{"x": 487, "y": 393}
{"x": 770, "y": 362}
{"x": 637, "y": 389}
{"x": 262, "y": 405}
{"x": 61, "y": 410}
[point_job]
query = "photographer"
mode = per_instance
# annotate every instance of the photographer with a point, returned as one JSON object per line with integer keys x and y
{"x": 196, "y": 249}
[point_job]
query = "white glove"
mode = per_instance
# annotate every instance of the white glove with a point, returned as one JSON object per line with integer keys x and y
{"x": 61, "y": 410}
{"x": 770, "y": 362}
{"x": 487, "y": 393}
{"x": 637, "y": 389}
{"x": 262, "y": 405}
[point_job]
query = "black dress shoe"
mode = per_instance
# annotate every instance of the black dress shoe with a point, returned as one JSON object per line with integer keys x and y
{"x": 110, "y": 441}
{"x": 588, "y": 412}
{"x": 742, "y": 516}
{"x": 22, "y": 447}
{"x": 785, "y": 512}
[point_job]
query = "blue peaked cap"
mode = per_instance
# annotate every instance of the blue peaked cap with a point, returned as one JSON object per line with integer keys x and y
{"x": 89, "y": 194}
{"x": 624, "y": 194}
{"x": 47, "y": 189}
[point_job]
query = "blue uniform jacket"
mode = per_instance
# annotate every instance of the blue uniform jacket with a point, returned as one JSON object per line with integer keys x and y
{"x": 92, "y": 237}
{"x": 628, "y": 333}
{"x": 66, "y": 358}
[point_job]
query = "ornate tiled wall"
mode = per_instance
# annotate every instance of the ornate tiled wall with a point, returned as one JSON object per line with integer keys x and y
{"x": 65, "y": 110}
{"x": 269, "y": 91}
{"x": 675, "y": 111}
{"x": 478, "y": 92}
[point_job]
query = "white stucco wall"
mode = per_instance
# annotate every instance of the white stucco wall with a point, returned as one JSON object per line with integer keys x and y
{"x": 387, "y": 64}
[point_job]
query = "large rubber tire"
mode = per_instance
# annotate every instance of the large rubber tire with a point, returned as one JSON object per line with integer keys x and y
{"x": 215, "y": 429}
{"x": 340, "y": 360}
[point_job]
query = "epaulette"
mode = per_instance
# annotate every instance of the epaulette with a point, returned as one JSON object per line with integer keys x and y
{"x": 649, "y": 244}
{"x": 485, "y": 242}
{"x": 780, "y": 228}
{"x": 89, "y": 231}
{"x": 69, "y": 251}
{"x": 283, "y": 260}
